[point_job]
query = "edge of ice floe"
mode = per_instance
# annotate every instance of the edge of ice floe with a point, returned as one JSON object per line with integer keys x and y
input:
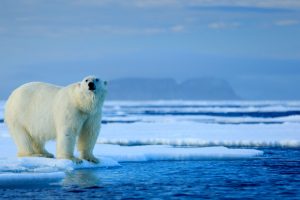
{"x": 192, "y": 142}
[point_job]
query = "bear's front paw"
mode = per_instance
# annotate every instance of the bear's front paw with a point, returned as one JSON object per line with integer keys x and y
{"x": 92, "y": 159}
{"x": 72, "y": 158}
{"x": 76, "y": 160}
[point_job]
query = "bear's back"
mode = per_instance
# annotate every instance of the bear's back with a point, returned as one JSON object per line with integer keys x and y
{"x": 31, "y": 105}
{"x": 35, "y": 90}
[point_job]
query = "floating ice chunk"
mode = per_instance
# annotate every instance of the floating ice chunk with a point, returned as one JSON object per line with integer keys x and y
{"x": 195, "y": 142}
{"x": 25, "y": 179}
{"x": 46, "y": 165}
{"x": 164, "y": 152}
{"x": 183, "y": 133}
{"x": 36, "y": 171}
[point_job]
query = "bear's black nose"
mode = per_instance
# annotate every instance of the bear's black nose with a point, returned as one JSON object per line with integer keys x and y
{"x": 91, "y": 86}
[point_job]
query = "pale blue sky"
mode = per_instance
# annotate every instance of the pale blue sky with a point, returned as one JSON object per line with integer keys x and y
{"x": 254, "y": 44}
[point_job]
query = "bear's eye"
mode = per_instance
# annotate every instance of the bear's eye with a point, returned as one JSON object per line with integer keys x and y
{"x": 86, "y": 80}
{"x": 97, "y": 79}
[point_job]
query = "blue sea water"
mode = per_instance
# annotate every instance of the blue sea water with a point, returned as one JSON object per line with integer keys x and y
{"x": 275, "y": 175}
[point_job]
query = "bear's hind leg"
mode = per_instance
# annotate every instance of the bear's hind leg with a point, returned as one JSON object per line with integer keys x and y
{"x": 40, "y": 151}
{"x": 23, "y": 141}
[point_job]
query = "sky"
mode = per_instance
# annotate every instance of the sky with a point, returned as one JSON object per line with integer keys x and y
{"x": 253, "y": 44}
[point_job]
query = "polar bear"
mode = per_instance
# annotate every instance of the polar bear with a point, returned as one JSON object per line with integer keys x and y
{"x": 38, "y": 112}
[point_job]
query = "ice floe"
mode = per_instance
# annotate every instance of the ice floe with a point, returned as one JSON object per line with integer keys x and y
{"x": 19, "y": 171}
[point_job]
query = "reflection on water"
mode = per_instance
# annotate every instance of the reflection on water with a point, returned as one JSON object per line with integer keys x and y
{"x": 81, "y": 178}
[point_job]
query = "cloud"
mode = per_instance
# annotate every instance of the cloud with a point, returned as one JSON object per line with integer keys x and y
{"x": 56, "y": 32}
{"x": 177, "y": 28}
{"x": 287, "y": 22}
{"x": 186, "y": 3}
{"x": 249, "y": 3}
{"x": 155, "y": 3}
{"x": 135, "y": 3}
{"x": 224, "y": 25}
{"x": 92, "y": 2}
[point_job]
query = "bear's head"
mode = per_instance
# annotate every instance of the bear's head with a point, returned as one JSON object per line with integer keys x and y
{"x": 92, "y": 92}
{"x": 94, "y": 86}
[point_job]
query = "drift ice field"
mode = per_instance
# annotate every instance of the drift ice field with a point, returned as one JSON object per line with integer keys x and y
{"x": 166, "y": 131}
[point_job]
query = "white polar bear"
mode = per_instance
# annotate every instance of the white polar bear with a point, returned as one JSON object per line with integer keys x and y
{"x": 37, "y": 112}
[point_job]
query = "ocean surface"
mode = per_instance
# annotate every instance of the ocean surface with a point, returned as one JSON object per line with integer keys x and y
{"x": 172, "y": 150}
{"x": 275, "y": 175}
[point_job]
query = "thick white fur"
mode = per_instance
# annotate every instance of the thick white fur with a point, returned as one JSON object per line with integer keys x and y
{"x": 37, "y": 112}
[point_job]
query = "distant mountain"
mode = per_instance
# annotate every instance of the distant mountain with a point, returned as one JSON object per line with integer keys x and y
{"x": 169, "y": 89}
